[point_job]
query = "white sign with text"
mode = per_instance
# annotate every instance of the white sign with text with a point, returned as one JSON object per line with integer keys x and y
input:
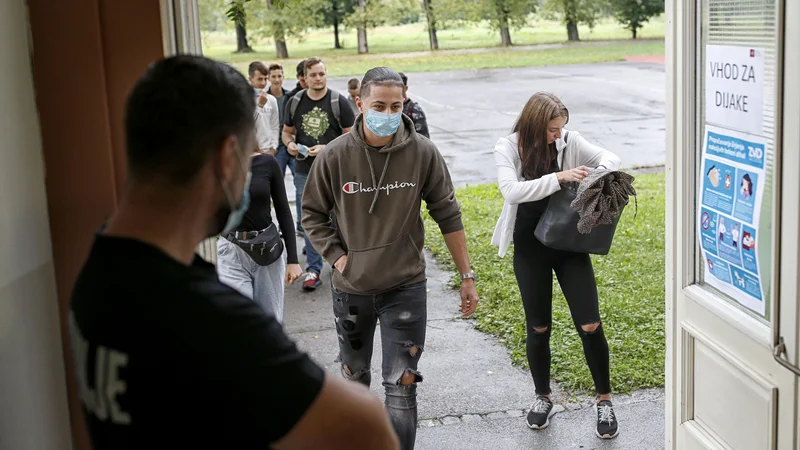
{"x": 735, "y": 87}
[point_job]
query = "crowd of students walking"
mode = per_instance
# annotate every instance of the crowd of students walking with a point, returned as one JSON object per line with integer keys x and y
{"x": 193, "y": 355}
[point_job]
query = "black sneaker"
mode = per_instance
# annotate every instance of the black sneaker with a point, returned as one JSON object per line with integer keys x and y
{"x": 607, "y": 425}
{"x": 539, "y": 414}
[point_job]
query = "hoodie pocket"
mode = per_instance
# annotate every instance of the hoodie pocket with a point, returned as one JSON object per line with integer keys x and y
{"x": 381, "y": 268}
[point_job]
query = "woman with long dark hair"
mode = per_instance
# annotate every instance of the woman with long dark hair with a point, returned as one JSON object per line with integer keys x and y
{"x": 532, "y": 163}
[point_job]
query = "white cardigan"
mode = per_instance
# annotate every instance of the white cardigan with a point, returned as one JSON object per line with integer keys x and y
{"x": 516, "y": 189}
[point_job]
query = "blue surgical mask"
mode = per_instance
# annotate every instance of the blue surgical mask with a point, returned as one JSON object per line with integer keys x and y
{"x": 382, "y": 124}
{"x": 237, "y": 214}
{"x": 257, "y": 91}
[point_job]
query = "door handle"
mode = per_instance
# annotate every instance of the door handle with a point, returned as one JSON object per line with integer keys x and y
{"x": 778, "y": 351}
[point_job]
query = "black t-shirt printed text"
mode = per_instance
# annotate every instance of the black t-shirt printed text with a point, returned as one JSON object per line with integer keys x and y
{"x": 316, "y": 124}
{"x": 166, "y": 356}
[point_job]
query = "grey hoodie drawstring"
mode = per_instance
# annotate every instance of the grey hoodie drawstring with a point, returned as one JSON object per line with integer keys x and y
{"x": 372, "y": 173}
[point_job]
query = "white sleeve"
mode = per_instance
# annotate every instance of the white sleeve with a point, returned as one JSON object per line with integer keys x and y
{"x": 513, "y": 190}
{"x": 262, "y": 131}
{"x": 594, "y": 156}
{"x": 273, "y": 122}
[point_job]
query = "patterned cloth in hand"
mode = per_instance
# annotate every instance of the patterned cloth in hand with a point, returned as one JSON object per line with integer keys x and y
{"x": 601, "y": 197}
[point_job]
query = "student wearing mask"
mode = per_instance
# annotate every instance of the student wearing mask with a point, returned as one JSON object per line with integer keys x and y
{"x": 374, "y": 179}
{"x": 165, "y": 354}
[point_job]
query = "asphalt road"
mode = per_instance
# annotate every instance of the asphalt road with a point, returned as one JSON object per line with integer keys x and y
{"x": 619, "y": 106}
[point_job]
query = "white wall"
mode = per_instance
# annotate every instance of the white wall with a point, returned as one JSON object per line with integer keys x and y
{"x": 33, "y": 396}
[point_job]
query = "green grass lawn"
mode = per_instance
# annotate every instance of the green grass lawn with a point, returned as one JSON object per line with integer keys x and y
{"x": 414, "y": 38}
{"x": 411, "y": 40}
{"x": 357, "y": 66}
{"x": 630, "y": 282}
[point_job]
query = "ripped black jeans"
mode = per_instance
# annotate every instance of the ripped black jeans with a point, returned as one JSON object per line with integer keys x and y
{"x": 534, "y": 264}
{"x": 403, "y": 318}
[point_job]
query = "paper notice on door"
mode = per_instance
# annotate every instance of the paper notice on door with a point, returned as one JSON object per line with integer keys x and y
{"x": 731, "y": 190}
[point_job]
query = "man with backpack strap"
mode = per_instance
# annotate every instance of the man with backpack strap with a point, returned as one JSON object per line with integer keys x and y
{"x": 314, "y": 117}
{"x": 414, "y": 111}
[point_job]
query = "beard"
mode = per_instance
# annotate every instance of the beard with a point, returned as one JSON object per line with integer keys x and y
{"x": 218, "y": 220}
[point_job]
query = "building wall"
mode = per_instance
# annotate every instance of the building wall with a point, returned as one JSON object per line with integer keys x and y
{"x": 87, "y": 54}
{"x": 33, "y": 395}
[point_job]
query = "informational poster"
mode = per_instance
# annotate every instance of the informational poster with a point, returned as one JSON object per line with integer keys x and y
{"x": 731, "y": 192}
{"x": 734, "y": 85}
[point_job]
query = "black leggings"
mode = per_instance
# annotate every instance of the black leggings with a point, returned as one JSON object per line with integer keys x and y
{"x": 534, "y": 264}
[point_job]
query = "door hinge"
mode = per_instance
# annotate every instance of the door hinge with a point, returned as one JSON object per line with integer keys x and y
{"x": 778, "y": 351}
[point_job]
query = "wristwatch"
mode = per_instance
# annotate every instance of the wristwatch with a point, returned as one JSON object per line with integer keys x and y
{"x": 470, "y": 274}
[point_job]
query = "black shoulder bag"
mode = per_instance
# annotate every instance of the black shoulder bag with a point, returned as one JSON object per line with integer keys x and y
{"x": 264, "y": 247}
{"x": 558, "y": 226}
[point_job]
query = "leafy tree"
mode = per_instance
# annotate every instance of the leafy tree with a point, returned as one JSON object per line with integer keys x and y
{"x": 236, "y": 13}
{"x": 279, "y": 19}
{"x": 334, "y": 13}
{"x": 634, "y": 13}
{"x": 439, "y": 14}
{"x": 574, "y": 12}
{"x": 212, "y": 15}
{"x": 373, "y": 13}
{"x": 503, "y": 15}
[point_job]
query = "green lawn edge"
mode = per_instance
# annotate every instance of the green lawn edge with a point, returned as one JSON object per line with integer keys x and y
{"x": 630, "y": 285}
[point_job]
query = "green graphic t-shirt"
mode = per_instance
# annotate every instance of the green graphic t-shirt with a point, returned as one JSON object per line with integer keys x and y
{"x": 316, "y": 124}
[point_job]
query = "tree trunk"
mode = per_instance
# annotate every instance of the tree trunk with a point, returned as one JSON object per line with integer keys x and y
{"x": 241, "y": 39}
{"x": 633, "y": 30}
{"x": 279, "y": 37}
{"x": 505, "y": 36}
{"x": 281, "y": 52}
{"x": 363, "y": 47}
{"x": 362, "y": 30}
{"x": 572, "y": 31}
{"x": 336, "y": 42}
{"x": 434, "y": 40}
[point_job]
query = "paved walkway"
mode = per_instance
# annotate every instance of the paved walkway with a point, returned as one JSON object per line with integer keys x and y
{"x": 472, "y": 397}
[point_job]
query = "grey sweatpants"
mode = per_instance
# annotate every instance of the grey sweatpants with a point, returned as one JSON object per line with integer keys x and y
{"x": 263, "y": 284}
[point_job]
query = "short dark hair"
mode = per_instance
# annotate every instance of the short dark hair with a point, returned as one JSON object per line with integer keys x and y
{"x": 353, "y": 83}
{"x": 180, "y": 111}
{"x": 301, "y": 68}
{"x": 379, "y": 76}
{"x": 257, "y": 66}
{"x": 274, "y": 66}
{"x": 311, "y": 62}
{"x": 404, "y": 77}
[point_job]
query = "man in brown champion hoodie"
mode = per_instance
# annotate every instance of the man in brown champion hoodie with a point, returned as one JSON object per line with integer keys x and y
{"x": 374, "y": 180}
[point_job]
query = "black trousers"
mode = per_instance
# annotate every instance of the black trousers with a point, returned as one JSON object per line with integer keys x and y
{"x": 534, "y": 264}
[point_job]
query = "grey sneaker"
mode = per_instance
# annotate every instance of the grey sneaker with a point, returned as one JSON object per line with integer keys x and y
{"x": 539, "y": 414}
{"x": 607, "y": 425}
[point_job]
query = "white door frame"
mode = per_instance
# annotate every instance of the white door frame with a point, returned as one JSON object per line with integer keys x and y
{"x": 180, "y": 25}
{"x": 686, "y": 301}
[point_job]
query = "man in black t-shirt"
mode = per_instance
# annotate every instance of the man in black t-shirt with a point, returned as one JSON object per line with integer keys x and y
{"x": 166, "y": 356}
{"x": 313, "y": 118}
{"x": 301, "y": 84}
